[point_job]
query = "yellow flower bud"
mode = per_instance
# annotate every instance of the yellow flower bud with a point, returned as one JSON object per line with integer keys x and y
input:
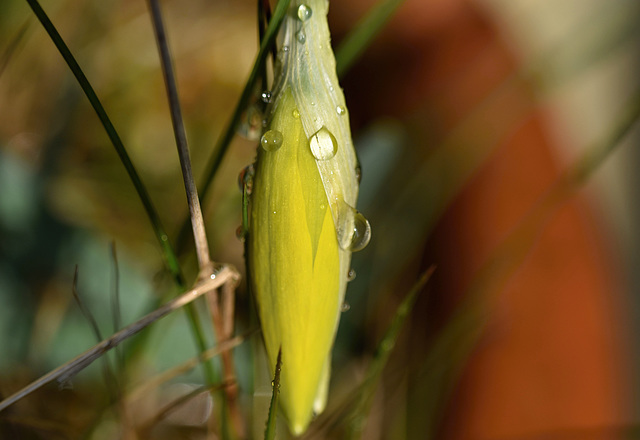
{"x": 302, "y": 225}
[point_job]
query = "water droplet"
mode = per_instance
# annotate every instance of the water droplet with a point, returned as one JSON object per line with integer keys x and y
{"x": 323, "y": 144}
{"x": 245, "y": 178}
{"x": 304, "y": 12}
{"x": 358, "y": 173}
{"x": 361, "y": 233}
{"x": 301, "y": 36}
{"x": 340, "y": 110}
{"x": 240, "y": 233}
{"x": 266, "y": 97}
{"x": 351, "y": 275}
{"x": 296, "y": 113}
{"x": 164, "y": 237}
{"x": 273, "y": 383}
{"x": 285, "y": 48}
{"x": 250, "y": 126}
{"x": 345, "y": 307}
{"x": 213, "y": 276}
{"x": 313, "y": 103}
{"x": 271, "y": 140}
{"x": 354, "y": 232}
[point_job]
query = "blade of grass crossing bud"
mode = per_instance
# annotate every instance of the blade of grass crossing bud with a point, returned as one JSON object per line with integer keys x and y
{"x": 213, "y": 164}
{"x": 223, "y": 144}
{"x": 270, "y": 428}
{"x": 374, "y": 372}
{"x": 356, "y": 42}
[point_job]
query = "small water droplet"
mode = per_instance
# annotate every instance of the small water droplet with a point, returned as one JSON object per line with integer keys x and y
{"x": 285, "y": 48}
{"x": 273, "y": 383}
{"x": 358, "y": 173}
{"x": 271, "y": 140}
{"x": 250, "y": 125}
{"x": 323, "y": 144}
{"x": 301, "y": 36}
{"x": 164, "y": 237}
{"x": 240, "y": 233}
{"x": 313, "y": 103}
{"x": 213, "y": 276}
{"x": 351, "y": 275}
{"x": 266, "y": 97}
{"x": 296, "y": 113}
{"x": 245, "y": 178}
{"x": 340, "y": 110}
{"x": 304, "y": 12}
{"x": 274, "y": 212}
{"x": 345, "y": 307}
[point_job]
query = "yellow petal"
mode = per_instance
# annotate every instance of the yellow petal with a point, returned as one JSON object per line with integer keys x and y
{"x": 295, "y": 262}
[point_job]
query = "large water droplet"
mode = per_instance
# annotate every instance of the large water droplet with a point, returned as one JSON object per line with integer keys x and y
{"x": 271, "y": 140}
{"x": 304, "y": 12}
{"x": 245, "y": 178}
{"x": 361, "y": 233}
{"x": 323, "y": 144}
{"x": 354, "y": 231}
{"x": 251, "y": 123}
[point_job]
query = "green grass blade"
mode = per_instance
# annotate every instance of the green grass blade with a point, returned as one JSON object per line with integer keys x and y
{"x": 224, "y": 141}
{"x": 167, "y": 251}
{"x": 374, "y": 372}
{"x": 11, "y": 48}
{"x": 270, "y": 429}
{"x": 354, "y": 44}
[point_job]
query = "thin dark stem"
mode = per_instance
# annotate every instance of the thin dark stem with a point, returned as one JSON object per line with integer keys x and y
{"x": 167, "y": 250}
{"x": 197, "y": 221}
{"x": 223, "y": 142}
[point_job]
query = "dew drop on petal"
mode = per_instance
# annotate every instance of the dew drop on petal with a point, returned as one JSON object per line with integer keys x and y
{"x": 301, "y": 36}
{"x": 240, "y": 233}
{"x": 250, "y": 125}
{"x": 304, "y": 12}
{"x": 340, "y": 110}
{"x": 361, "y": 233}
{"x": 354, "y": 231}
{"x": 296, "y": 113}
{"x": 245, "y": 178}
{"x": 266, "y": 97}
{"x": 345, "y": 307}
{"x": 323, "y": 144}
{"x": 271, "y": 140}
{"x": 351, "y": 275}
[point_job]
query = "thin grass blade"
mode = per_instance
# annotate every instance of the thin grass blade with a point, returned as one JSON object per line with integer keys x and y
{"x": 270, "y": 429}
{"x": 354, "y": 44}
{"x": 361, "y": 410}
